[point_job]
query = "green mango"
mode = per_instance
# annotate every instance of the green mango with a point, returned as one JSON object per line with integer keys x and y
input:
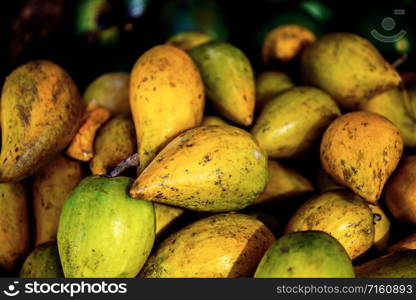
{"x": 188, "y": 40}
{"x": 348, "y": 67}
{"x": 43, "y": 262}
{"x": 103, "y": 232}
{"x": 269, "y": 84}
{"x": 306, "y": 254}
{"x": 228, "y": 80}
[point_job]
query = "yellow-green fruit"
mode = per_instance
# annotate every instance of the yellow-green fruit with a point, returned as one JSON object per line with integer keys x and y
{"x": 166, "y": 217}
{"x": 208, "y": 168}
{"x": 166, "y": 98}
{"x": 228, "y": 79}
{"x": 51, "y": 185}
{"x": 41, "y": 110}
{"x": 269, "y": 84}
{"x": 307, "y": 254}
{"x": 115, "y": 141}
{"x": 392, "y": 104}
{"x": 103, "y": 232}
{"x": 14, "y": 227}
{"x": 291, "y": 122}
{"x": 348, "y": 67}
{"x": 226, "y": 245}
{"x": 188, "y": 40}
{"x": 401, "y": 264}
{"x": 111, "y": 91}
{"x": 213, "y": 120}
{"x": 341, "y": 214}
{"x": 42, "y": 262}
{"x": 283, "y": 183}
{"x": 381, "y": 227}
{"x": 360, "y": 150}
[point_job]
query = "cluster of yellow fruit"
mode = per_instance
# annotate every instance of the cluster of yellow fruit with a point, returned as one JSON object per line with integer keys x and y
{"x": 96, "y": 223}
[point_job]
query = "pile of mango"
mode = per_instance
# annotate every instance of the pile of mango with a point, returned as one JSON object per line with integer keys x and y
{"x": 184, "y": 166}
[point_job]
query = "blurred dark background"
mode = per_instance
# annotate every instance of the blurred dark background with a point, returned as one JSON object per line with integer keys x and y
{"x": 90, "y": 37}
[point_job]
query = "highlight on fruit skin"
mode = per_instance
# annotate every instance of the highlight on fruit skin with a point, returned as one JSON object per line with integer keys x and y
{"x": 360, "y": 150}
{"x": 286, "y": 42}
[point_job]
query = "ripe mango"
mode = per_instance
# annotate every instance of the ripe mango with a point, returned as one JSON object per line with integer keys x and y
{"x": 341, "y": 214}
{"x": 115, "y": 141}
{"x": 166, "y": 98}
{"x": 381, "y": 227}
{"x": 269, "y": 84}
{"x": 209, "y": 168}
{"x": 103, "y": 232}
{"x": 286, "y": 42}
{"x": 228, "y": 79}
{"x": 400, "y": 195}
{"x": 41, "y": 111}
{"x": 360, "y": 150}
{"x": 213, "y": 120}
{"x": 166, "y": 217}
{"x": 225, "y": 245}
{"x": 51, "y": 185}
{"x": 291, "y": 122}
{"x": 42, "y": 262}
{"x": 401, "y": 264}
{"x": 14, "y": 225}
{"x": 348, "y": 67}
{"x": 188, "y": 39}
{"x": 306, "y": 254}
{"x": 111, "y": 91}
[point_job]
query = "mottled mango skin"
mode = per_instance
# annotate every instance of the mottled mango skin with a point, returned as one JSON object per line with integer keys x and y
{"x": 188, "y": 40}
{"x": 228, "y": 79}
{"x": 103, "y": 232}
{"x": 42, "y": 262}
{"x": 291, "y": 122}
{"x": 348, "y": 67}
{"x": 40, "y": 113}
{"x": 51, "y": 185}
{"x": 306, "y": 254}
{"x": 360, "y": 150}
{"x": 220, "y": 246}
{"x": 401, "y": 264}
{"x": 111, "y": 91}
{"x": 166, "y": 98}
{"x": 283, "y": 183}
{"x": 209, "y": 168}
{"x": 381, "y": 227}
{"x": 14, "y": 225}
{"x": 269, "y": 84}
{"x": 400, "y": 195}
{"x": 393, "y": 104}
{"x": 115, "y": 141}
{"x": 341, "y": 214}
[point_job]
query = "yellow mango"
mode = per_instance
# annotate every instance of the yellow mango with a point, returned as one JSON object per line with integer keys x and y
{"x": 269, "y": 84}
{"x": 220, "y": 246}
{"x": 360, "y": 150}
{"x": 400, "y": 191}
{"x": 381, "y": 227}
{"x": 115, "y": 141}
{"x": 166, "y": 98}
{"x": 51, "y": 186}
{"x": 283, "y": 183}
{"x": 208, "y": 168}
{"x": 291, "y": 122}
{"x": 166, "y": 217}
{"x": 286, "y": 42}
{"x": 348, "y": 67}
{"x": 342, "y": 215}
{"x": 14, "y": 227}
{"x": 41, "y": 111}
{"x": 111, "y": 91}
{"x": 213, "y": 120}
{"x": 188, "y": 40}
{"x": 392, "y": 104}
{"x": 228, "y": 79}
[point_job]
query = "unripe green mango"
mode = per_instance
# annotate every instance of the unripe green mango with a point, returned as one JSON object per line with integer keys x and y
{"x": 306, "y": 254}
{"x": 43, "y": 262}
{"x": 103, "y": 232}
